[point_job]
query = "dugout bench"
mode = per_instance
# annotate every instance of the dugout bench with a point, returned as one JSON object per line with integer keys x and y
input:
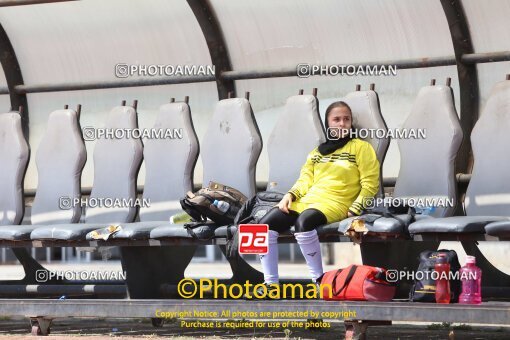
{"x": 155, "y": 253}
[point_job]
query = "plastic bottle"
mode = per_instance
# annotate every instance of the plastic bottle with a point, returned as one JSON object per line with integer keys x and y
{"x": 471, "y": 278}
{"x": 180, "y": 218}
{"x": 425, "y": 210}
{"x": 221, "y": 205}
{"x": 272, "y": 186}
{"x": 442, "y": 269}
{"x": 429, "y": 211}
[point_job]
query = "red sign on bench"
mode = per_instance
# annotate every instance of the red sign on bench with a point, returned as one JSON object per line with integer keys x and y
{"x": 253, "y": 238}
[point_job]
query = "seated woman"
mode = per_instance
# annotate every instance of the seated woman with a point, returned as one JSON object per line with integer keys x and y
{"x": 334, "y": 183}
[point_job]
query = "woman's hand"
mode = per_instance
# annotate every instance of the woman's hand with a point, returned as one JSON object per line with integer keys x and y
{"x": 351, "y": 214}
{"x": 284, "y": 204}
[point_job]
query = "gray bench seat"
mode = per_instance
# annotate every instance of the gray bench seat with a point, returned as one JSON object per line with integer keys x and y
{"x": 487, "y": 194}
{"x": 16, "y": 232}
{"x": 327, "y": 229}
{"x": 454, "y": 224}
{"x": 135, "y": 231}
{"x": 500, "y": 229}
{"x": 65, "y": 232}
{"x": 203, "y": 232}
{"x": 59, "y": 167}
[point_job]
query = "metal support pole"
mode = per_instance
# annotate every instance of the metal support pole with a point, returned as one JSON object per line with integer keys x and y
{"x": 226, "y": 77}
{"x": 10, "y": 3}
{"x": 13, "y": 77}
{"x": 216, "y": 43}
{"x": 468, "y": 79}
{"x": 474, "y": 58}
{"x": 292, "y": 71}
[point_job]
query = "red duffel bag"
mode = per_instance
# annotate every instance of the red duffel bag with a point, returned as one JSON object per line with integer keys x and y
{"x": 362, "y": 283}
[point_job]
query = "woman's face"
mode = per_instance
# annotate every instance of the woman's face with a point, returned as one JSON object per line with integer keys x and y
{"x": 340, "y": 119}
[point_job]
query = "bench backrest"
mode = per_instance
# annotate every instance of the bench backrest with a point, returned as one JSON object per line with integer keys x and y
{"x": 488, "y": 193}
{"x": 116, "y": 165}
{"x": 169, "y": 162}
{"x": 298, "y": 130}
{"x": 14, "y": 154}
{"x": 427, "y": 165}
{"x": 367, "y": 115}
{"x": 60, "y": 159}
{"x": 231, "y": 146}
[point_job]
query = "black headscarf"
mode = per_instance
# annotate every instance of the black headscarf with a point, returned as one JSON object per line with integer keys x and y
{"x": 332, "y": 144}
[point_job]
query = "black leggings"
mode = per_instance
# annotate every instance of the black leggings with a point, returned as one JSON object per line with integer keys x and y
{"x": 279, "y": 221}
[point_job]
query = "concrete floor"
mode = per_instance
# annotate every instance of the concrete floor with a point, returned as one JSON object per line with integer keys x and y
{"x": 141, "y": 328}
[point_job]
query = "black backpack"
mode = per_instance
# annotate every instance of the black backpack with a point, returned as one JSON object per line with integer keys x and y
{"x": 256, "y": 207}
{"x": 251, "y": 212}
{"x": 424, "y": 290}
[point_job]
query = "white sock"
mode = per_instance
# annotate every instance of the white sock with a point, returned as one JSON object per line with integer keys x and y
{"x": 310, "y": 247}
{"x": 269, "y": 261}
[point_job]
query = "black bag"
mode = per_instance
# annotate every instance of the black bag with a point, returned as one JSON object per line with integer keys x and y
{"x": 396, "y": 212}
{"x": 425, "y": 290}
{"x": 251, "y": 212}
{"x": 257, "y": 207}
{"x": 205, "y": 230}
{"x": 199, "y": 205}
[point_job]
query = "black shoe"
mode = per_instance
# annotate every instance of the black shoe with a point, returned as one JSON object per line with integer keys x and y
{"x": 272, "y": 291}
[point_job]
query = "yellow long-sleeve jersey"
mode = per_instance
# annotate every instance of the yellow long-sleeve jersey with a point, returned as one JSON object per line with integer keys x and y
{"x": 338, "y": 182}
